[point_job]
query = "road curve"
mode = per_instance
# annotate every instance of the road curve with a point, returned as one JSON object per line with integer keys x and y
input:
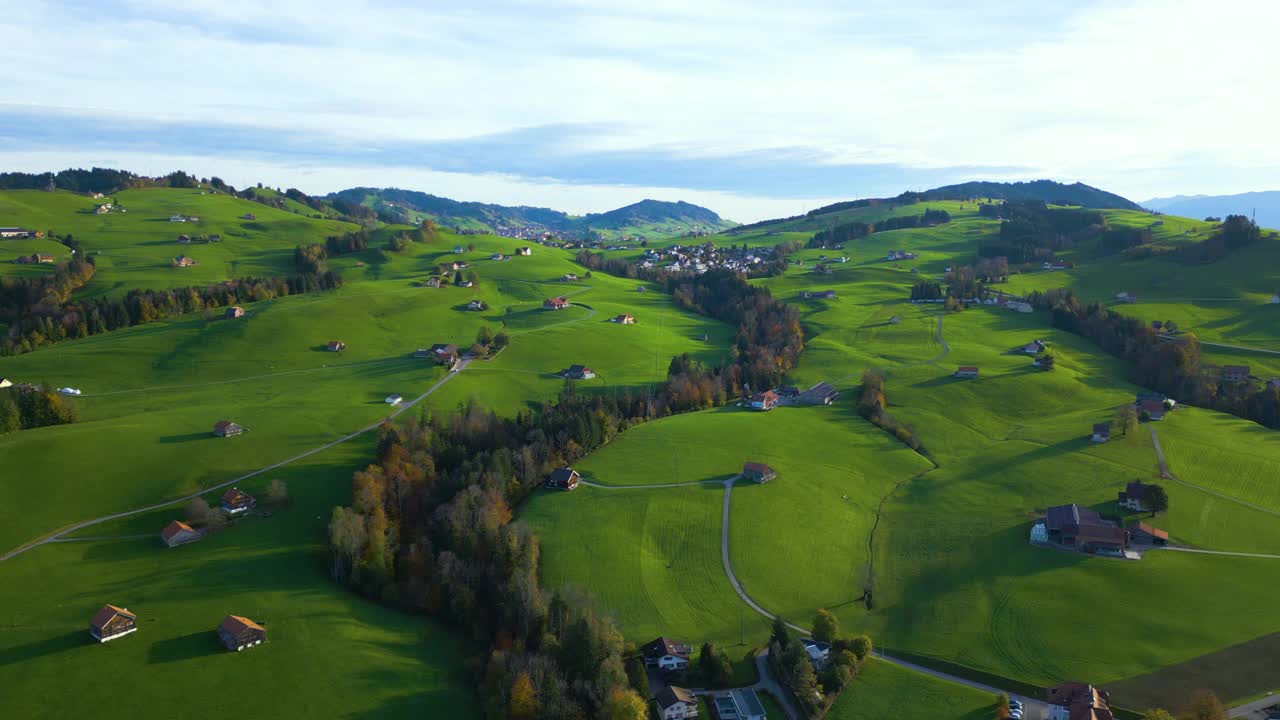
{"x": 57, "y": 534}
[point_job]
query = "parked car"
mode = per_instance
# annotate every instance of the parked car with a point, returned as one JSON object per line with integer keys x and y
{"x": 1015, "y": 704}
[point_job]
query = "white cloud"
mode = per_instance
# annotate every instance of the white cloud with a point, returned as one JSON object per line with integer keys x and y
{"x": 1159, "y": 96}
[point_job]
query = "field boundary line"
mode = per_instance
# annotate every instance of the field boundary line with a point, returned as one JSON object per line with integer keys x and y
{"x": 1164, "y": 472}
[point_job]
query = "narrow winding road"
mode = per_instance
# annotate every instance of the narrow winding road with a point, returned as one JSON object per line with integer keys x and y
{"x": 61, "y": 533}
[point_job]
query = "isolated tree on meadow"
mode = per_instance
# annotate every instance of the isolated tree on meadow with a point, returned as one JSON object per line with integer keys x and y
{"x": 1157, "y": 499}
{"x": 484, "y": 336}
{"x": 471, "y": 247}
{"x": 501, "y": 339}
{"x": 215, "y": 520}
{"x": 861, "y": 647}
{"x": 1126, "y": 418}
{"x": 10, "y": 416}
{"x": 826, "y": 628}
{"x": 197, "y": 510}
{"x": 277, "y": 492}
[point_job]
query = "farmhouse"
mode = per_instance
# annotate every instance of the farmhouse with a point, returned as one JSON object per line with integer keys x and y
{"x": 112, "y": 622}
{"x": 1035, "y": 347}
{"x": 1134, "y": 497}
{"x": 178, "y": 533}
{"x": 336, "y": 346}
{"x": 763, "y": 401}
{"x": 465, "y": 284}
{"x": 818, "y": 652}
{"x": 562, "y": 479}
{"x": 394, "y": 399}
{"x": 818, "y": 294}
{"x": 524, "y": 251}
{"x": 441, "y": 354}
{"x": 236, "y": 501}
{"x": 43, "y": 259}
{"x": 102, "y": 209}
{"x": 234, "y": 311}
{"x": 1143, "y": 533}
{"x": 741, "y": 704}
{"x": 1078, "y": 701}
{"x": 1101, "y": 432}
{"x": 432, "y": 282}
{"x": 178, "y": 218}
{"x": 226, "y": 428}
{"x": 569, "y": 277}
{"x": 248, "y": 216}
{"x": 184, "y": 239}
{"x": 759, "y": 472}
{"x": 900, "y": 255}
{"x": 666, "y": 654}
{"x": 5, "y": 382}
{"x": 1235, "y": 373}
{"x": 1126, "y": 297}
{"x": 676, "y": 703}
{"x": 476, "y": 305}
{"x": 215, "y": 238}
{"x": 965, "y": 371}
{"x": 579, "y": 372}
{"x": 1083, "y": 529}
{"x": 1018, "y": 305}
{"x": 555, "y": 303}
{"x": 1153, "y": 409}
{"x": 237, "y": 633}
{"x": 497, "y": 256}
{"x": 15, "y": 232}
{"x": 625, "y": 319}
{"x": 457, "y": 249}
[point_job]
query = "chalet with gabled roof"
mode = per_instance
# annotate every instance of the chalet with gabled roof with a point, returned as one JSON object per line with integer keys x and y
{"x": 569, "y": 277}
{"x": 676, "y": 703}
{"x": 112, "y": 622}
{"x": 336, "y": 346}
{"x": 1101, "y": 432}
{"x": 226, "y": 428}
{"x": 1134, "y": 497}
{"x": 555, "y": 303}
{"x": 179, "y": 533}
{"x": 233, "y": 312}
{"x": 625, "y": 319}
{"x": 579, "y": 372}
{"x": 818, "y": 294}
{"x": 666, "y": 654}
{"x": 1084, "y": 529}
{"x": 524, "y": 251}
{"x": 236, "y": 501}
{"x": 562, "y": 479}
{"x": 444, "y": 354}
{"x": 764, "y": 401}
{"x": 1141, "y": 532}
{"x": 238, "y": 633}
{"x": 965, "y": 371}
{"x": 1153, "y": 409}
{"x": 758, "y": 472}
{"x": 1078, "y": 701}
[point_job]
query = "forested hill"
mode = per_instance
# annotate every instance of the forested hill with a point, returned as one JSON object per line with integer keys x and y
{"x": 1049, "y": 191}
{"x": 647, "y": 218}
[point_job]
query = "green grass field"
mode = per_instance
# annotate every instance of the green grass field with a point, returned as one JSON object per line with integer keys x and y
{"x": 954, "y": 577}
{"x": 882, "y": 690}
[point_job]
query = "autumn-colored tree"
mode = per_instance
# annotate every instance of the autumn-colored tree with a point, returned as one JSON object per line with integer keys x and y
{"x": 215, "y": 520}
{"x": 197, "y": 510}
{"x": 277, "y": 491}
{"x": 1126, "y": 418}
{"x": 524, "y": 698}
{"x": 623, "y": 703}
{"x": 1157, "y": 714}
{"x": 1205, "y": 705}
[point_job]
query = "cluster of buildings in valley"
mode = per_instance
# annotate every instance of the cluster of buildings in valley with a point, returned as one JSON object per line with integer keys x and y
{"x": 820, "y": 394}
{"x": 1072, "y": 527}
{"x": 699, "y": 259}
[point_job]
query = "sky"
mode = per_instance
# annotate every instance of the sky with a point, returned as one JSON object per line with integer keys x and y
{"x": 754, "y": 109}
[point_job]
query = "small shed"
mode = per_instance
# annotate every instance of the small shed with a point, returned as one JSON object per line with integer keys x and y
{"x": 758, "y": 472}
{"x": 965, "y": 371}
{"x": 1101, "y": 432}
{"x": 226, "y": 428}
{"x": 562, "y": 479}
{"x": 112, "y": 622}
{"x": 235, "y": 311}
{"x": 336, "y": 346}
{"x": 238, "y": 633}
{"x": 179, "y": 533}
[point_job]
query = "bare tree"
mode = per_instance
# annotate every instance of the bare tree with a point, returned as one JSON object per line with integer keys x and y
{"x": 1126, "y": 418}
{"x": 216, "y": 520}
{"x": 198, "y": 511}
{"x": 277, "y": 492}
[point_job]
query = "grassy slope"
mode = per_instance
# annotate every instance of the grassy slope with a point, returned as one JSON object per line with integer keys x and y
{"x": 151, "y": 395}
{"x": 882, "y": 690}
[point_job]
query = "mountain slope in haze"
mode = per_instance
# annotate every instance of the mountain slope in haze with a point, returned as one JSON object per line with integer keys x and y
{"x": 647, "y": 218}
{"x": 1265, "y": 203}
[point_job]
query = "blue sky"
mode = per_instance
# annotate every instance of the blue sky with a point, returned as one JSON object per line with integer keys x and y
{"x": 754, "y": 109}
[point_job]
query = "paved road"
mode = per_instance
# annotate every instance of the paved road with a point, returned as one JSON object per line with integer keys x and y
{"x": 1035, "y": 709}
{"x": 599, "y": 486}
{"x": 57, "y": 535}
{"x": 1221, "y": 552}
{"x": 1256, "y": 710}
{"x": 1165, "y": 473}
{"x": 1229, "y": 347}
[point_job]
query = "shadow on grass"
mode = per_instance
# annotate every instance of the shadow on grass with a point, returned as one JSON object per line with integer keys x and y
{"x": 47, "y": 646}
{"x": 185, "y": 647}
{"x": 185, "y": 437}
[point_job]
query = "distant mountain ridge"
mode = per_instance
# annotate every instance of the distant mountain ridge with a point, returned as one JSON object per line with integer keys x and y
{"x": 644, "y": 218}
{"x": 1050, "y": 191}
{"x": 1265, "y": 203}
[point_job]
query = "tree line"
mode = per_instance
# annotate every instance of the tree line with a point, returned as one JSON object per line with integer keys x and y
{"x": 1030, "y": 231}
{"x": 816, "y": 690}
{"x": 840, "y": 234}
{"x": 27, "y": 407}
{"x": 1171, "y": 366}
{"x": 42, "y": 310}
